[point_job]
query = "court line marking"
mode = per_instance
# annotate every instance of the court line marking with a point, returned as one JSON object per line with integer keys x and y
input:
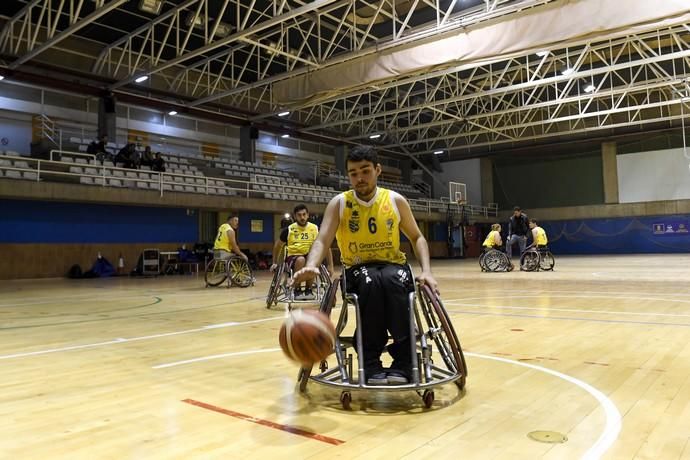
{"x": 567, "y": 318}
{"x": 120, "y": 340}
{"x": 573, "y": 310}
{"x": 278, "y": 426}
{"x": 613, "y": 416}
{"x": 532, "y": 296}
{"x": 602, "y": 444}
{"x": 210, "y": 357}
{"x": 558, "y": 291}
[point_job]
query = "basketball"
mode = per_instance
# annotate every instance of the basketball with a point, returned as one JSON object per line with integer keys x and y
{"x": 307, "y": 336}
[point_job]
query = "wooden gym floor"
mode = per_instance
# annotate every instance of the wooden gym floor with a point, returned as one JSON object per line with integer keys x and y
{"x": 597, "y": 351}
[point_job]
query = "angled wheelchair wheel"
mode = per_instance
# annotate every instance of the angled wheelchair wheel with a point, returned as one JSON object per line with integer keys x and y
{"x": 481, "y": 261}
{"x": 240, "y": 273}
{"x": 216, "y": 272}
{"x": 324, "y": 277}
{"x": 495, "y": 261}
{"x": 326, "y": 306}
{"x": 443, "y": 333}
{"x": 529, "y": 261}
{"x": 547, "y": 262}
{"x": 276, "y": 286}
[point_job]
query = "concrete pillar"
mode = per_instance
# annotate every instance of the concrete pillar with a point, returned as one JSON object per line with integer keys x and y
{"x": 107, "y": 117}
{"x": 248, "y": 136}
{"x": 340, "y": 159}
{"x": 609, "y": 168}
{"x": 406, "y": 171}
{"x": 486, "y": 174}
{"x": 437, "y": 190}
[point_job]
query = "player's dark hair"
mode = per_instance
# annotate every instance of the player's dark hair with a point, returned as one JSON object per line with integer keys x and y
{"x": 363, "y": 153}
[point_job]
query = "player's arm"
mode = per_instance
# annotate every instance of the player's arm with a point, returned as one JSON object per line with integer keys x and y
{"x": 329, "y": 225}
{"x": 409, "y": 227}
{"x": 497, "y": 239}
{"x": 234, "y": 247}
{"x": 278, "y": 247}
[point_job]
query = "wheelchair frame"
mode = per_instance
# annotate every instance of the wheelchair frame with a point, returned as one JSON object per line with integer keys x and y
{"x": 537, "y": 259}
{"x": 429, "y": 324}
{"x": 233, "y": 269}
{"x": 494, "y": 260}
{"x": 279, "y": 292}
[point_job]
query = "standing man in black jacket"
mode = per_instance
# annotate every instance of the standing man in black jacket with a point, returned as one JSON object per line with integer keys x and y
{"x": 518, "y": 228}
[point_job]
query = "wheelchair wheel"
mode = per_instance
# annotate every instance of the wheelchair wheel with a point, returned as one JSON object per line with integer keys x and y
{"x": 240, "y": 273}
{"x": 495, "y": 261}
{"x": 481, "y": 261}
{"x": 276, "y": 286}
{"x": 547, "y": 262}
{"x": 216, "y": 273}
{"x": 529, "y": 261}
{"x": 324, "y": 277}
{"x": 443, "y": 334}
{"x": 326, "y": 306}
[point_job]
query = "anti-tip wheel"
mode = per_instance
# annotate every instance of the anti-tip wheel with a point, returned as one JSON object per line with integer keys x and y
{"x": 428, "y": 398}
{"x": 346, "y": 400}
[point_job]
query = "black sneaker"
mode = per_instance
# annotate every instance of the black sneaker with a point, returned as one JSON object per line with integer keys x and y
{"x": 308, "y": 295}
{"x": 379, "y": 378}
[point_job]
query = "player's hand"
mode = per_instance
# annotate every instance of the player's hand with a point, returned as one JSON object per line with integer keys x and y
{"x": 428, "y": 279}
{"x": 244, "y": 257}
{"x": 331, "y": 271}
{"x": 273, "y": 267}
{"x": 304, "y": 274}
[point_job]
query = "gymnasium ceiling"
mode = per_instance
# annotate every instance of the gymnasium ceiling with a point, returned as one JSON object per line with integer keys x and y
{"x": 525, "y": 71}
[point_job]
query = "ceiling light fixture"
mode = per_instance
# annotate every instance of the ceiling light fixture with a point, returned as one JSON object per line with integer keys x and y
{"x": 542, "y": 53}
{"x": 151, "y": 6}
{"x": 374, "y": 136}
{"x": 141, "y": 79}
{"x": 285, "y": 136}
{"x": 589, "y": 88}
{"x": 172, "y": 112}
{"x": 283, "y": 114}
{"x": 438, "y": 152}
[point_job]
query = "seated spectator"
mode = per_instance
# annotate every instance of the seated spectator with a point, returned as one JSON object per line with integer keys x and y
{"x": 158, "y": 163}
{"x": 127, "y": 155}
{"x": 101, "y": 268}
{"x": 185, "y": 255}
{"x": 147, "y": 157}
{"x": 98, "y": 148}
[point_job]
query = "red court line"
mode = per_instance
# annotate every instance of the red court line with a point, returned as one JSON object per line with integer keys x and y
{"x": 268, "y": 423}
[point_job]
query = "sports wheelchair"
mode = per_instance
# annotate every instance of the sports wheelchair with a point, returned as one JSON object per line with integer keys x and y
{"x": 233, "y": 269}
{"x": 494, "y": 260}
{"x": 281, "y": 292}
{"x": 536, "y": 259}
{"x": 431, "y": 327}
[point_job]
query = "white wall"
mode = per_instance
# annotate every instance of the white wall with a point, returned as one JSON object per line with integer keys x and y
{"x": 654, "y": 176}
{"x": 467, "y": 172}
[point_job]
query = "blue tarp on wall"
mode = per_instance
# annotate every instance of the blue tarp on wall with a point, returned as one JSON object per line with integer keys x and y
{"x": 56, "y": 222}
{"x": 631, "y": 235}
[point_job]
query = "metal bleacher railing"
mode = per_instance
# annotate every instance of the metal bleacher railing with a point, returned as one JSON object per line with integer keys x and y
{"x": 182, "y": 177}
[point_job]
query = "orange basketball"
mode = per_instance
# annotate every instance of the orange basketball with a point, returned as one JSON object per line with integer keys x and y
{"x": 307, "y": 336}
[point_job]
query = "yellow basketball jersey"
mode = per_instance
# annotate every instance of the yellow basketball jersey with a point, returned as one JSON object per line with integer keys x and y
{"x": 490, "y": 240}
{"x": 369, "y": 232}
{"x": 540, "y": 238}
{"x": 222, "y": 240}
{"x": 300, "y": 239}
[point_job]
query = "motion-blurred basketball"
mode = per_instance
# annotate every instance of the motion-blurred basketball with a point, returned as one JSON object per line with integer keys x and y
{"x": 307, "y": 336}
